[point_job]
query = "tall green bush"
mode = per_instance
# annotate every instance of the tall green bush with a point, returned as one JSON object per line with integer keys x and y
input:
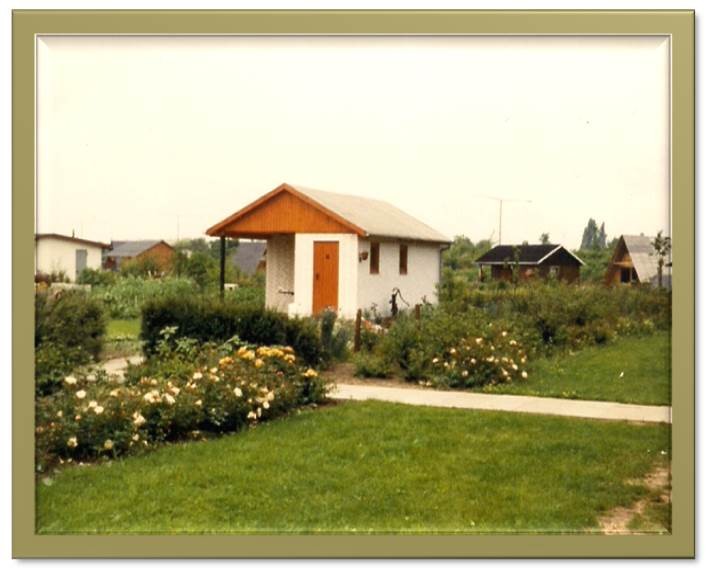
{"x": 335, "y": 335}
{"x": 69, "y": 332}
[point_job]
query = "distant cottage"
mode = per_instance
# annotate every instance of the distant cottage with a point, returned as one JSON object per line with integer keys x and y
{"x": 120, "y": 252}
{"x": 336, "y": 251}
{"x": 56, "y": 253}
{"x": 635, "y": 262}
{"x": 534, "y": 260}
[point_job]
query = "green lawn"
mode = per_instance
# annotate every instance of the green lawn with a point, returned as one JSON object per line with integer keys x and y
{"x": 123, "y": 328}
{"x": 121, "y": 338}
{"x": 595, "y": 373}
{"x": 366, "y": 467}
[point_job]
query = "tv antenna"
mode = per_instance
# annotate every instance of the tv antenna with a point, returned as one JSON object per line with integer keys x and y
{"x": 500, "y": 210}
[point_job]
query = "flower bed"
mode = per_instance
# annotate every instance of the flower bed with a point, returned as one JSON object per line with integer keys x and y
{"x": 541, "y": 318}
{"x": 223, "y": 389}
{"x": 488, "y": 360}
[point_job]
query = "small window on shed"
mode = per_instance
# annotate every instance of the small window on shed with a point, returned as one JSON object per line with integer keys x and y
{"x": 403, "y": 260}
{"x": 375, "y": 257}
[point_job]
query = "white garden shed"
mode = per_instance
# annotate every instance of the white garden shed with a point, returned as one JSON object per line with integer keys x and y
{"x": 343, "y": 252}
{"x": 68, "y": 254}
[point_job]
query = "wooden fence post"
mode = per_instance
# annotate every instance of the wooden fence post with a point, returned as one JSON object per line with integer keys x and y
{"x": 357, "y": 332}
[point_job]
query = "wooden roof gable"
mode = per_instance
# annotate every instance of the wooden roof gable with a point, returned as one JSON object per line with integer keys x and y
{"x": 283, "y": 210}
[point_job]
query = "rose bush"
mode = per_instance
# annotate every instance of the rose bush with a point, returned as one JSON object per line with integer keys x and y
{"x": 492, "y": 358}
{"x": 224, "y": 389}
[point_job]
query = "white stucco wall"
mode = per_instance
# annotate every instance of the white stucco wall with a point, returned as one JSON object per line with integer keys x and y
{"x": 54, "y": 255}
{"x": 420, "y": 281}
{"x": 304, "y": 272}
{"x": 280, "y": 272}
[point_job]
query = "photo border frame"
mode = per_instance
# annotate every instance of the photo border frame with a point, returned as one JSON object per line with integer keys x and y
{"x": 677, "y": 24}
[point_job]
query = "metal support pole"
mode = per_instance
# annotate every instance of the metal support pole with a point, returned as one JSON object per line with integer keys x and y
{"x": 500, "y": 220}
{"x": 222, "y": 276}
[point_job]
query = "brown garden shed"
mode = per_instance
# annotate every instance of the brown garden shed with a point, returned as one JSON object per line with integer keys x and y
{"x": 533, "y": 260}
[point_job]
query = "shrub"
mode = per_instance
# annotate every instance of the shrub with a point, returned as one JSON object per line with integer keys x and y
{"x": 369, "y": 365}
{"x": 301, "y": 334}
{"x": 412, "y": 345}
{"x": 335, "y": 336}
{"x": 52, "y": 362}
{"x": 249, "y": 293}
{"x": 540, "y": 316}
{"x": 89, "y": 276}
{"x": 560, "y": 315}
{"x": 206, "y": 319}
{"x": 70, "y": 318}
{"x": 221, "y": 389}
{"x": 145, "y": 266}
{"x": 69, "y": 329}
{"x": 57, "y": 276}
{"x": 492, "y": 358}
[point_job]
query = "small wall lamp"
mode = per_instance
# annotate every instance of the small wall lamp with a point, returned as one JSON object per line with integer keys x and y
{"x": 363, "y": 256}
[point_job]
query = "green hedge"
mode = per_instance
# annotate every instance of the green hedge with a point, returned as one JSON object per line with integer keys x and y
{"x": 69, "y": 332}
{"x": 206, "y": 319}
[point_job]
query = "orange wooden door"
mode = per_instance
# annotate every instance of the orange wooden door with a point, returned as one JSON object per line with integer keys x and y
{"x": 326, "y": 276}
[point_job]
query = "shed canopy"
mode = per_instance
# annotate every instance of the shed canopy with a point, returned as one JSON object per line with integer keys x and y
{"x": 529, "y": 254}
{"x": 292, "y": 209}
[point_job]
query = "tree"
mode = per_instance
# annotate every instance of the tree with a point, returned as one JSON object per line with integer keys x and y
{"x": 601, "y": 238}
{"x": 544, "y": 238}
{"x": 462, "y": 253}
{"x": 661, "y": 246}
{"x": 593, "y": 237}
{"x": 211, "y": 247}
{"x": 589, "y": 236}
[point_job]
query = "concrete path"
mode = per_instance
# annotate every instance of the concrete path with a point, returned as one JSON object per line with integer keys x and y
{"x": 118, "y": 365}
{"x": 463, "y": 399}
{"x": 510, "y": 403}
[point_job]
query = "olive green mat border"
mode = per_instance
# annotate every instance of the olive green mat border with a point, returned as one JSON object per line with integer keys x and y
{"x": 679, "y": 25}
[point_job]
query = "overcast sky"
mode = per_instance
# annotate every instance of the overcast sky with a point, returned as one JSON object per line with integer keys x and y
{"x": 160, "y": 137}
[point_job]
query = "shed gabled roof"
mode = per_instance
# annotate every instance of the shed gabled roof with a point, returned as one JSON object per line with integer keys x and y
{"x": 101, "y": 245}
{"x": 643, "y": 257}
{"x": 529, "y": 254}
{"x": 362, "y": 216}
{"x": 132, "y": 248}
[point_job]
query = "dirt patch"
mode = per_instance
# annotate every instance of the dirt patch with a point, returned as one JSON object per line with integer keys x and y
{"x": 344, "y": 373}
{"x": 619, "y": 520}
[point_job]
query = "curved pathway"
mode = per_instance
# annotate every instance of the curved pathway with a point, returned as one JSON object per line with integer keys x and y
{"x": 463, "y": 399}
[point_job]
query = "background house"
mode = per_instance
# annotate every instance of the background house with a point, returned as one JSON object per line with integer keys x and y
{"x": 327, "y": 250}
{"x": 534, "y": 260}
{"x": 157, "y": 250}
{"x": 634, "y": 261}
{"x": 249, "y": 257}
{"x": 58, "y": 253}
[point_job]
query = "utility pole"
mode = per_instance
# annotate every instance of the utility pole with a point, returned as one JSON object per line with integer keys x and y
{"x": 500, "y": 211}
